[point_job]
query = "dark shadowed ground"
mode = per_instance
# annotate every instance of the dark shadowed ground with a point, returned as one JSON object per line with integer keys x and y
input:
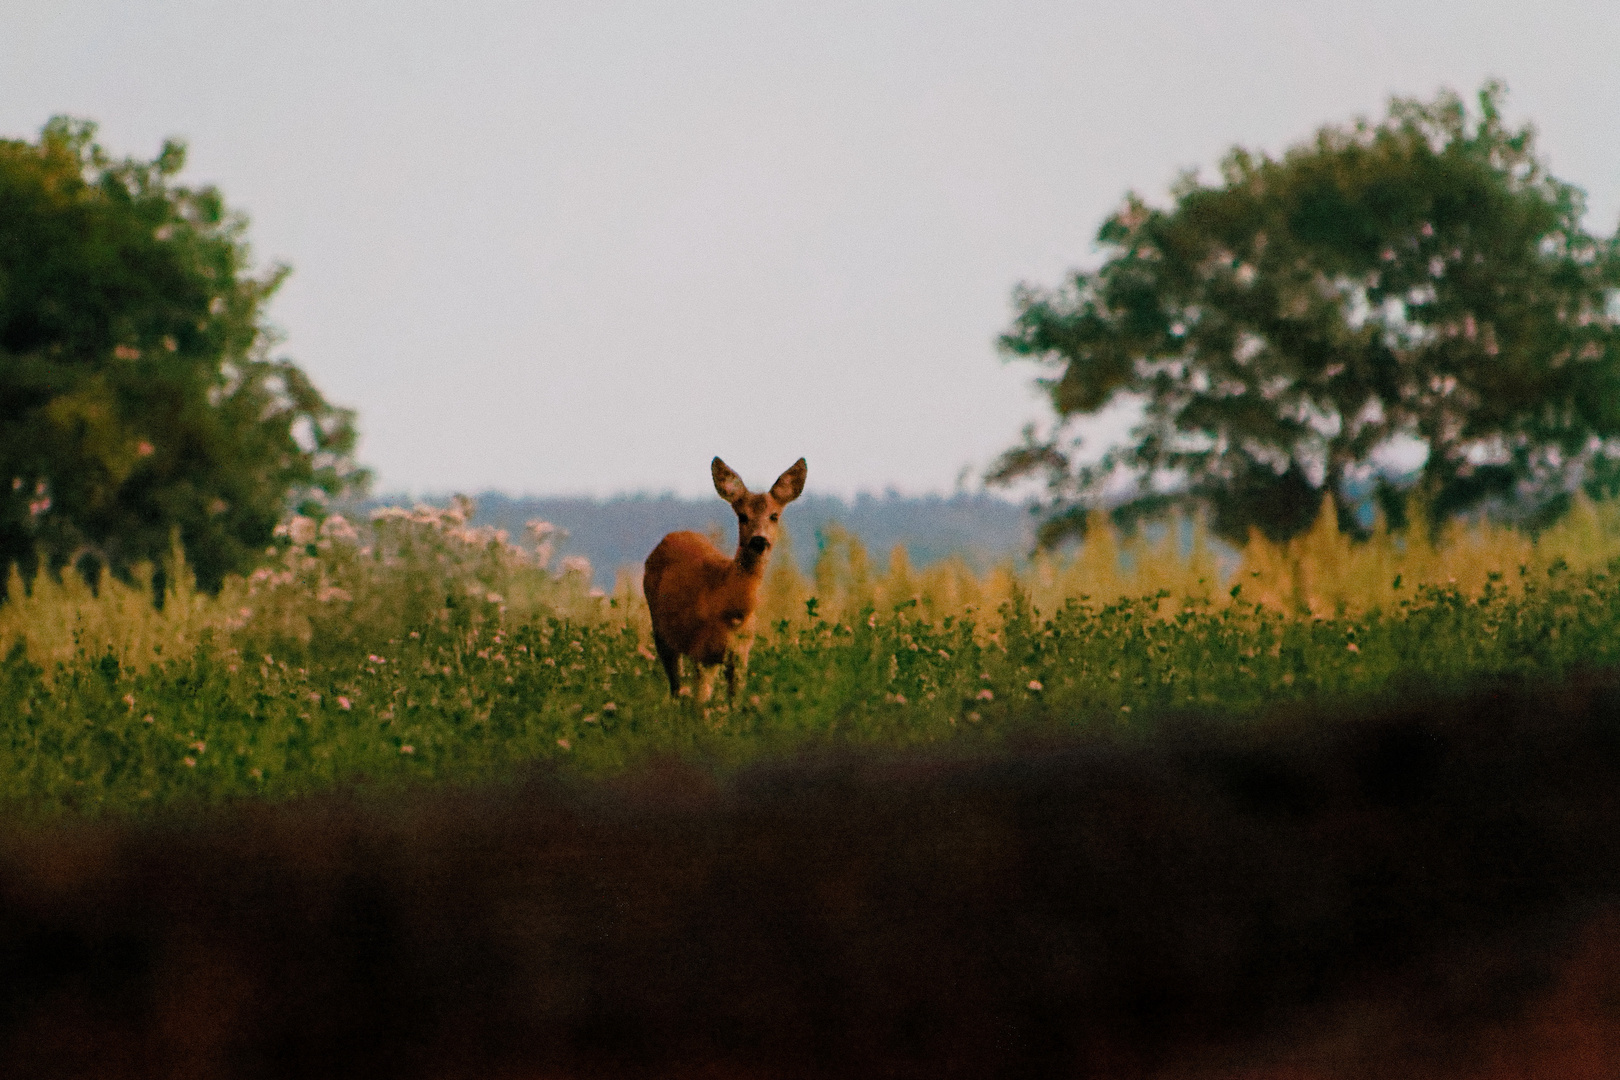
{"x": 1425, "y": 888}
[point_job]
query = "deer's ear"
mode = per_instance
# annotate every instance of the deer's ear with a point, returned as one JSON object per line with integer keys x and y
{"x": 726, "y": 482}
{"x": 790, "y": 485}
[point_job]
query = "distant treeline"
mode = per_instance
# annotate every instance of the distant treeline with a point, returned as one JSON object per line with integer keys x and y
{"x": 620, "y": 531}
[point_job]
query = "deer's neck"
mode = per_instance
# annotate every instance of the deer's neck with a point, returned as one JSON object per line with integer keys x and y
{"x": 749, "y": 564}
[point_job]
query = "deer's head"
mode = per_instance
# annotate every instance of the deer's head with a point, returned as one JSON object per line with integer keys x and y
{"x": 758, "y": 514}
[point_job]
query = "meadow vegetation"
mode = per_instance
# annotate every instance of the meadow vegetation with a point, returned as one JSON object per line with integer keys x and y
{"x": 416, "y": 647}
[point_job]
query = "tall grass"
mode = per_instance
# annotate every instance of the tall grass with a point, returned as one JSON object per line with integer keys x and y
{"x": 324, "y": 583}
{"x": 322, "y": 586}
{"x": 1324, "y": 572}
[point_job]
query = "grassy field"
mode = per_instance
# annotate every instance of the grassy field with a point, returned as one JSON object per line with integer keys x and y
{"x": 1412, "y": 889}
{"x": 411, "y": 801}
{"x": 421, "y": 649}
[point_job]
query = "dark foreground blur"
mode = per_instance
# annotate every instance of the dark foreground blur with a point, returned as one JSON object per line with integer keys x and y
{"x": 1428, "y": 889}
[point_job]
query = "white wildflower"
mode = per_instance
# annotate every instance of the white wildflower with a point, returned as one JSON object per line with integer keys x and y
{"x": 337, "y": 528}
{"x": 301, "y": 530}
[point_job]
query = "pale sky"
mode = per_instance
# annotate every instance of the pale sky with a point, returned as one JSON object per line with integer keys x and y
{"x": 583, "y": 247}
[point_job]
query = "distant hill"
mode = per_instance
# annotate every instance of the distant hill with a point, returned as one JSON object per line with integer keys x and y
{"x": 621, "y": 531}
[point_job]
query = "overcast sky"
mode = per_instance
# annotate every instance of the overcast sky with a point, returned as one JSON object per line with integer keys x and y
{"x": 583, "y": 247}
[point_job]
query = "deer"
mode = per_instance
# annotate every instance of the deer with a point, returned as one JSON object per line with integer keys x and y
{"x": 702, "y": 603}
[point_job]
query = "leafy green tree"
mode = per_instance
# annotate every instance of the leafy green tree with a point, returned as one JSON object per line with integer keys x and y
{"x": 137, "y": 392}
{"x": 1421, "y": 284}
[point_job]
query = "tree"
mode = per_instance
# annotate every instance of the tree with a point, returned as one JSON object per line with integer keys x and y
{"x": 1418, "y": 285}
{"x": 138, "y": 395}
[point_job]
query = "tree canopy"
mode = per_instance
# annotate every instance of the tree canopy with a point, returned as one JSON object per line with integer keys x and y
{"x": 1418, "y": 288}
{"x": 138, "y": 395}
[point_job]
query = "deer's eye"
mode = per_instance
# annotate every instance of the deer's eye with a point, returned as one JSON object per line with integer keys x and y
{"x": 773, "y": 517}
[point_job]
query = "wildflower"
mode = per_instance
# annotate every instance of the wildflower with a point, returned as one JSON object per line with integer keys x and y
{"x": 328, "y": 593}
{"x": 147, "y": 719}
{"x": 199, "y": 746}
{"x": 301, "y": 530}
{"x": 375, "y": 659}
{"x": 343, "y": 702}
{"x": 189, "y": 762}
{"x": 985, "y": 675}
{"x": 1124, "y": 708}
{"x": 1035, "y": 684}
{"x": 577, "y": 564}
{"x": 129, "y": 699}
{"x": 256, "y": 773}
{"x": 315, "y": 697}
{"x": 564, "y": 743}
{"x": 1353, "y": 647}
{"x": 610, "y": 707}
{"x": 337, "y": 528}
{"x": 407, "y": 749}
{"x": 145, "y": 449}
{"x": 986, "y": 694}
{"x": 943, "y": 655}
{"x": 591, "y": 719}
{"x": 975, "y": 717}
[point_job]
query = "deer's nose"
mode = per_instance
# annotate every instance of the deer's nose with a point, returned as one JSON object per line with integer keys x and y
{"x": 758, "y": 544}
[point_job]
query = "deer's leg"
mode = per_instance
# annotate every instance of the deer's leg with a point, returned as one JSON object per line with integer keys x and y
{"x": 737, "y": 668}
{"x": 672, "y": 664}
{"x": 705, "y": 681}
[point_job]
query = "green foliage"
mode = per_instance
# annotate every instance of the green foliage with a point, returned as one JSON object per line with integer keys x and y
{"x": 137, "y": 393}
{"x": 474, "y": 692}
{"x": 1419, "y": 281}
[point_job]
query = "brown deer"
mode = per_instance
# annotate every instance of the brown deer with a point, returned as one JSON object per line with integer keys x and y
{"x": 702, "y": 603}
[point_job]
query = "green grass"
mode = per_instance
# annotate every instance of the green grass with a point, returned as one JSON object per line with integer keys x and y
{"x": 474, "y": 694}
